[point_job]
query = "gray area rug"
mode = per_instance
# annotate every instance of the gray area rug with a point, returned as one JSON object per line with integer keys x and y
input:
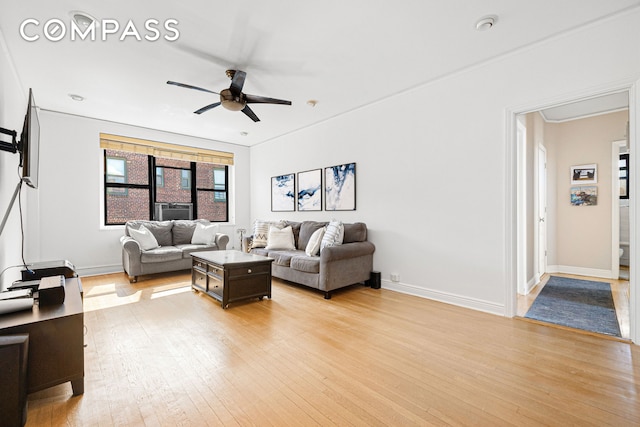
{"x": 581, "y": 304}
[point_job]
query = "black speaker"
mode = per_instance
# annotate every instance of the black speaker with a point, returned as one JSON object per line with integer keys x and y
{"x": 39, "y": 270}
{"x": 374, "y": 280}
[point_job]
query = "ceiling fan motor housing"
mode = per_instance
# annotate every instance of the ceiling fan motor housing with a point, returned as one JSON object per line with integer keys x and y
{"x": 232, "y": 102}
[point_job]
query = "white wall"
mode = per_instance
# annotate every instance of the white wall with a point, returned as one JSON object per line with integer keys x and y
{"x": 69, "y": 216}
{"x": 13, "y": 106}
{"x": 431, "y": 163}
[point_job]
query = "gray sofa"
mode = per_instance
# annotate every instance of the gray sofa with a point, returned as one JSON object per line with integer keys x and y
{"x": 335, "y": 267}
{"x": 174, "y": 238}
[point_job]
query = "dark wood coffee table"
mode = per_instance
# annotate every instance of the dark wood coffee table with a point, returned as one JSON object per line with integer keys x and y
{"x": 230, "y": 276}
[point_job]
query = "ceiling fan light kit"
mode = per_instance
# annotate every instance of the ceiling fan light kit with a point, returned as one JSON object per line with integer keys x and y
{"x": 233, "y": 98}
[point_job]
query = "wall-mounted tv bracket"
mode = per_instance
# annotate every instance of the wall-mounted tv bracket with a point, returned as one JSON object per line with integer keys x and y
{"x": 12, "y": 146}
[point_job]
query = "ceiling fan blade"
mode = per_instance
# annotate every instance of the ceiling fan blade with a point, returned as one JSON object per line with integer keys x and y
{"x": 207, "y": 108}
{"x": 255, "y": 99}
{"x": 190, "y": 87}
{"x": 238, "y": 81}
{"x": 249, "y": 112}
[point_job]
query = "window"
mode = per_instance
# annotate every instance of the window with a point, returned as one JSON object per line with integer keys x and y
{"x": 116, "y": 170}
{"x": 127, "y": 190}
{"x": 185, "y": 179}
{"x": 623, "y": 164}
{"x": 159, "y": 177}
{"x": 130, "y": 193}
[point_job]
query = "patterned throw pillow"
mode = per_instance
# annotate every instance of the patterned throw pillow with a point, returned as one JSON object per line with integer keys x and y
{"x": 261, "y": 232}
{"x": 333, "y": 235}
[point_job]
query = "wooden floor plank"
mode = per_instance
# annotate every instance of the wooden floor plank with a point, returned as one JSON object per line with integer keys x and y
{"x": 158, "y": 354}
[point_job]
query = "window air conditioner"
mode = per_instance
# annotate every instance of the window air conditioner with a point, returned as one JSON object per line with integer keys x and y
{"x": 168, "y": 211}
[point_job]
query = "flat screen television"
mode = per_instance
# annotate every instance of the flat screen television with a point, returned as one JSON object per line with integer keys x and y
{"x": 30, "y": 144}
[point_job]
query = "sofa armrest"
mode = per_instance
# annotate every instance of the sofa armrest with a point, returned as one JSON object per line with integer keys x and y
{"x": 221, "y": 241}
{"x": 131, "y": 246}
{"x": 346, "y": 251}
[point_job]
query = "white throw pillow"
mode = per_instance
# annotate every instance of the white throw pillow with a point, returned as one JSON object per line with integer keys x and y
{"x": 313, "y": 247}
{"x": 144, "y": 237}
{"x": 280, "y": 238}
{"x": 204, "y": 234}
{"x": 333, "y": 236}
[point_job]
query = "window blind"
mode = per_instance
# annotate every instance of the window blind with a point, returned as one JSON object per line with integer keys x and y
{"x": 165, "y": 150}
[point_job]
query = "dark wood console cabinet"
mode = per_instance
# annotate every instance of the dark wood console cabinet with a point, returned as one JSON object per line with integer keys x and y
{"x": 56, "y": 340}
{"x": 230, "y": 276}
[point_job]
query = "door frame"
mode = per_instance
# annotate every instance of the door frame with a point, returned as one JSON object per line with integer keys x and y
{"x": 537, "y": 227}
{"x": 514, "y": 218}
{"x": 615, "y": 208}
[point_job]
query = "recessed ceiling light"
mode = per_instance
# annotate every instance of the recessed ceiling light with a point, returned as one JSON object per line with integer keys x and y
{"x": 486, "y": 23}
{"x": 76, "y": 97}
{"x": 312, "y": 102}
{"x": 83, "y": 19}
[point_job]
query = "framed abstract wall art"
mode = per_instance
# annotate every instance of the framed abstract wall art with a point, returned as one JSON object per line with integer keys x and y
{"x": 310, "y": 190}
{"x": 283, "y": 193}
{"x": 340, "y": 187}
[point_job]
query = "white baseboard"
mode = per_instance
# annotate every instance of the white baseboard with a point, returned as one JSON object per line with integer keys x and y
{"x": 580, "y": 271}
{"x": 99, "y": 269}
{"x": 466, "y": 302}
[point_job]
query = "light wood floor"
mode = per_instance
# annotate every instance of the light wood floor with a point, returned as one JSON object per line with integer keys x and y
{"x": 619, "y": 291}
{"x": 158, "y": 354}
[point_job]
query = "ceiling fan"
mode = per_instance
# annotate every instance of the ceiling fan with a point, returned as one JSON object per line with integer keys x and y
{"x": 233, "y": 98}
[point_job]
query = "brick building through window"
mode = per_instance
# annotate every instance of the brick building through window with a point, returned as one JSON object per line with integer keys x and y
{"x": 135, "y": 182}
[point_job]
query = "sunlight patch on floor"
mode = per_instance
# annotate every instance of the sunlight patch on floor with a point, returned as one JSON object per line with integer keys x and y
{"x": 110, "y": 295}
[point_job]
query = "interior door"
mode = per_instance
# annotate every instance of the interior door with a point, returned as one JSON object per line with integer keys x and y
{"x": 542, "y": 211}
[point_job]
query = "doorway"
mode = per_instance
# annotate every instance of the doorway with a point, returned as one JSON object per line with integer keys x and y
{"x": 557, "y": 244}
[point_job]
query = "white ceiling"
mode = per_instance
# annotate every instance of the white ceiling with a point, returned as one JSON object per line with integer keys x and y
{"x": 345, "y": 54}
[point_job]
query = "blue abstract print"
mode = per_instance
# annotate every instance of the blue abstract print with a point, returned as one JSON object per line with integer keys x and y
{"x": 340, "y": 184}
{"x": 283, "y": 193}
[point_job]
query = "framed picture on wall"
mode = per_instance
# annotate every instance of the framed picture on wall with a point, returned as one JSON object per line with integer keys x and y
{"x": 310, "y": 190}
{"x": 283, "y": 193}
{"x": 584, "y": 196}
{"x": 340, "y": 187}
{"x": 584, "y": 174}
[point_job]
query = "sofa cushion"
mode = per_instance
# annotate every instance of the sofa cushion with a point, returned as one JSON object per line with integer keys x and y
{"x": 144, "y": 237}
{"x": 356, "y": 232}
{"x": 295, "y": 227}
{"x": 188, "y": 249}
{"x": 162, "y": 231}
{"x": 183, "y": 231}
{"x": 308, "y": 264}
{"x": 260, "y": 251}
{"x": 306, "y": 230}
{"x": 204, "y": 234}
{"x": 333, "y": 236}
{"x": 283, "y": 258}
{"x": 161, "y": 254}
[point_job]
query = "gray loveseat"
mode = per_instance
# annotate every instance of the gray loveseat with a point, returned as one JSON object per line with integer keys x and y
{"x": 172, "y": 254}
{"x": 335, "y": 267}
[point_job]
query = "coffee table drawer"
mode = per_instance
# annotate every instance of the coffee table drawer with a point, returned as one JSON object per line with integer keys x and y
{"x": 248, "y": 271}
